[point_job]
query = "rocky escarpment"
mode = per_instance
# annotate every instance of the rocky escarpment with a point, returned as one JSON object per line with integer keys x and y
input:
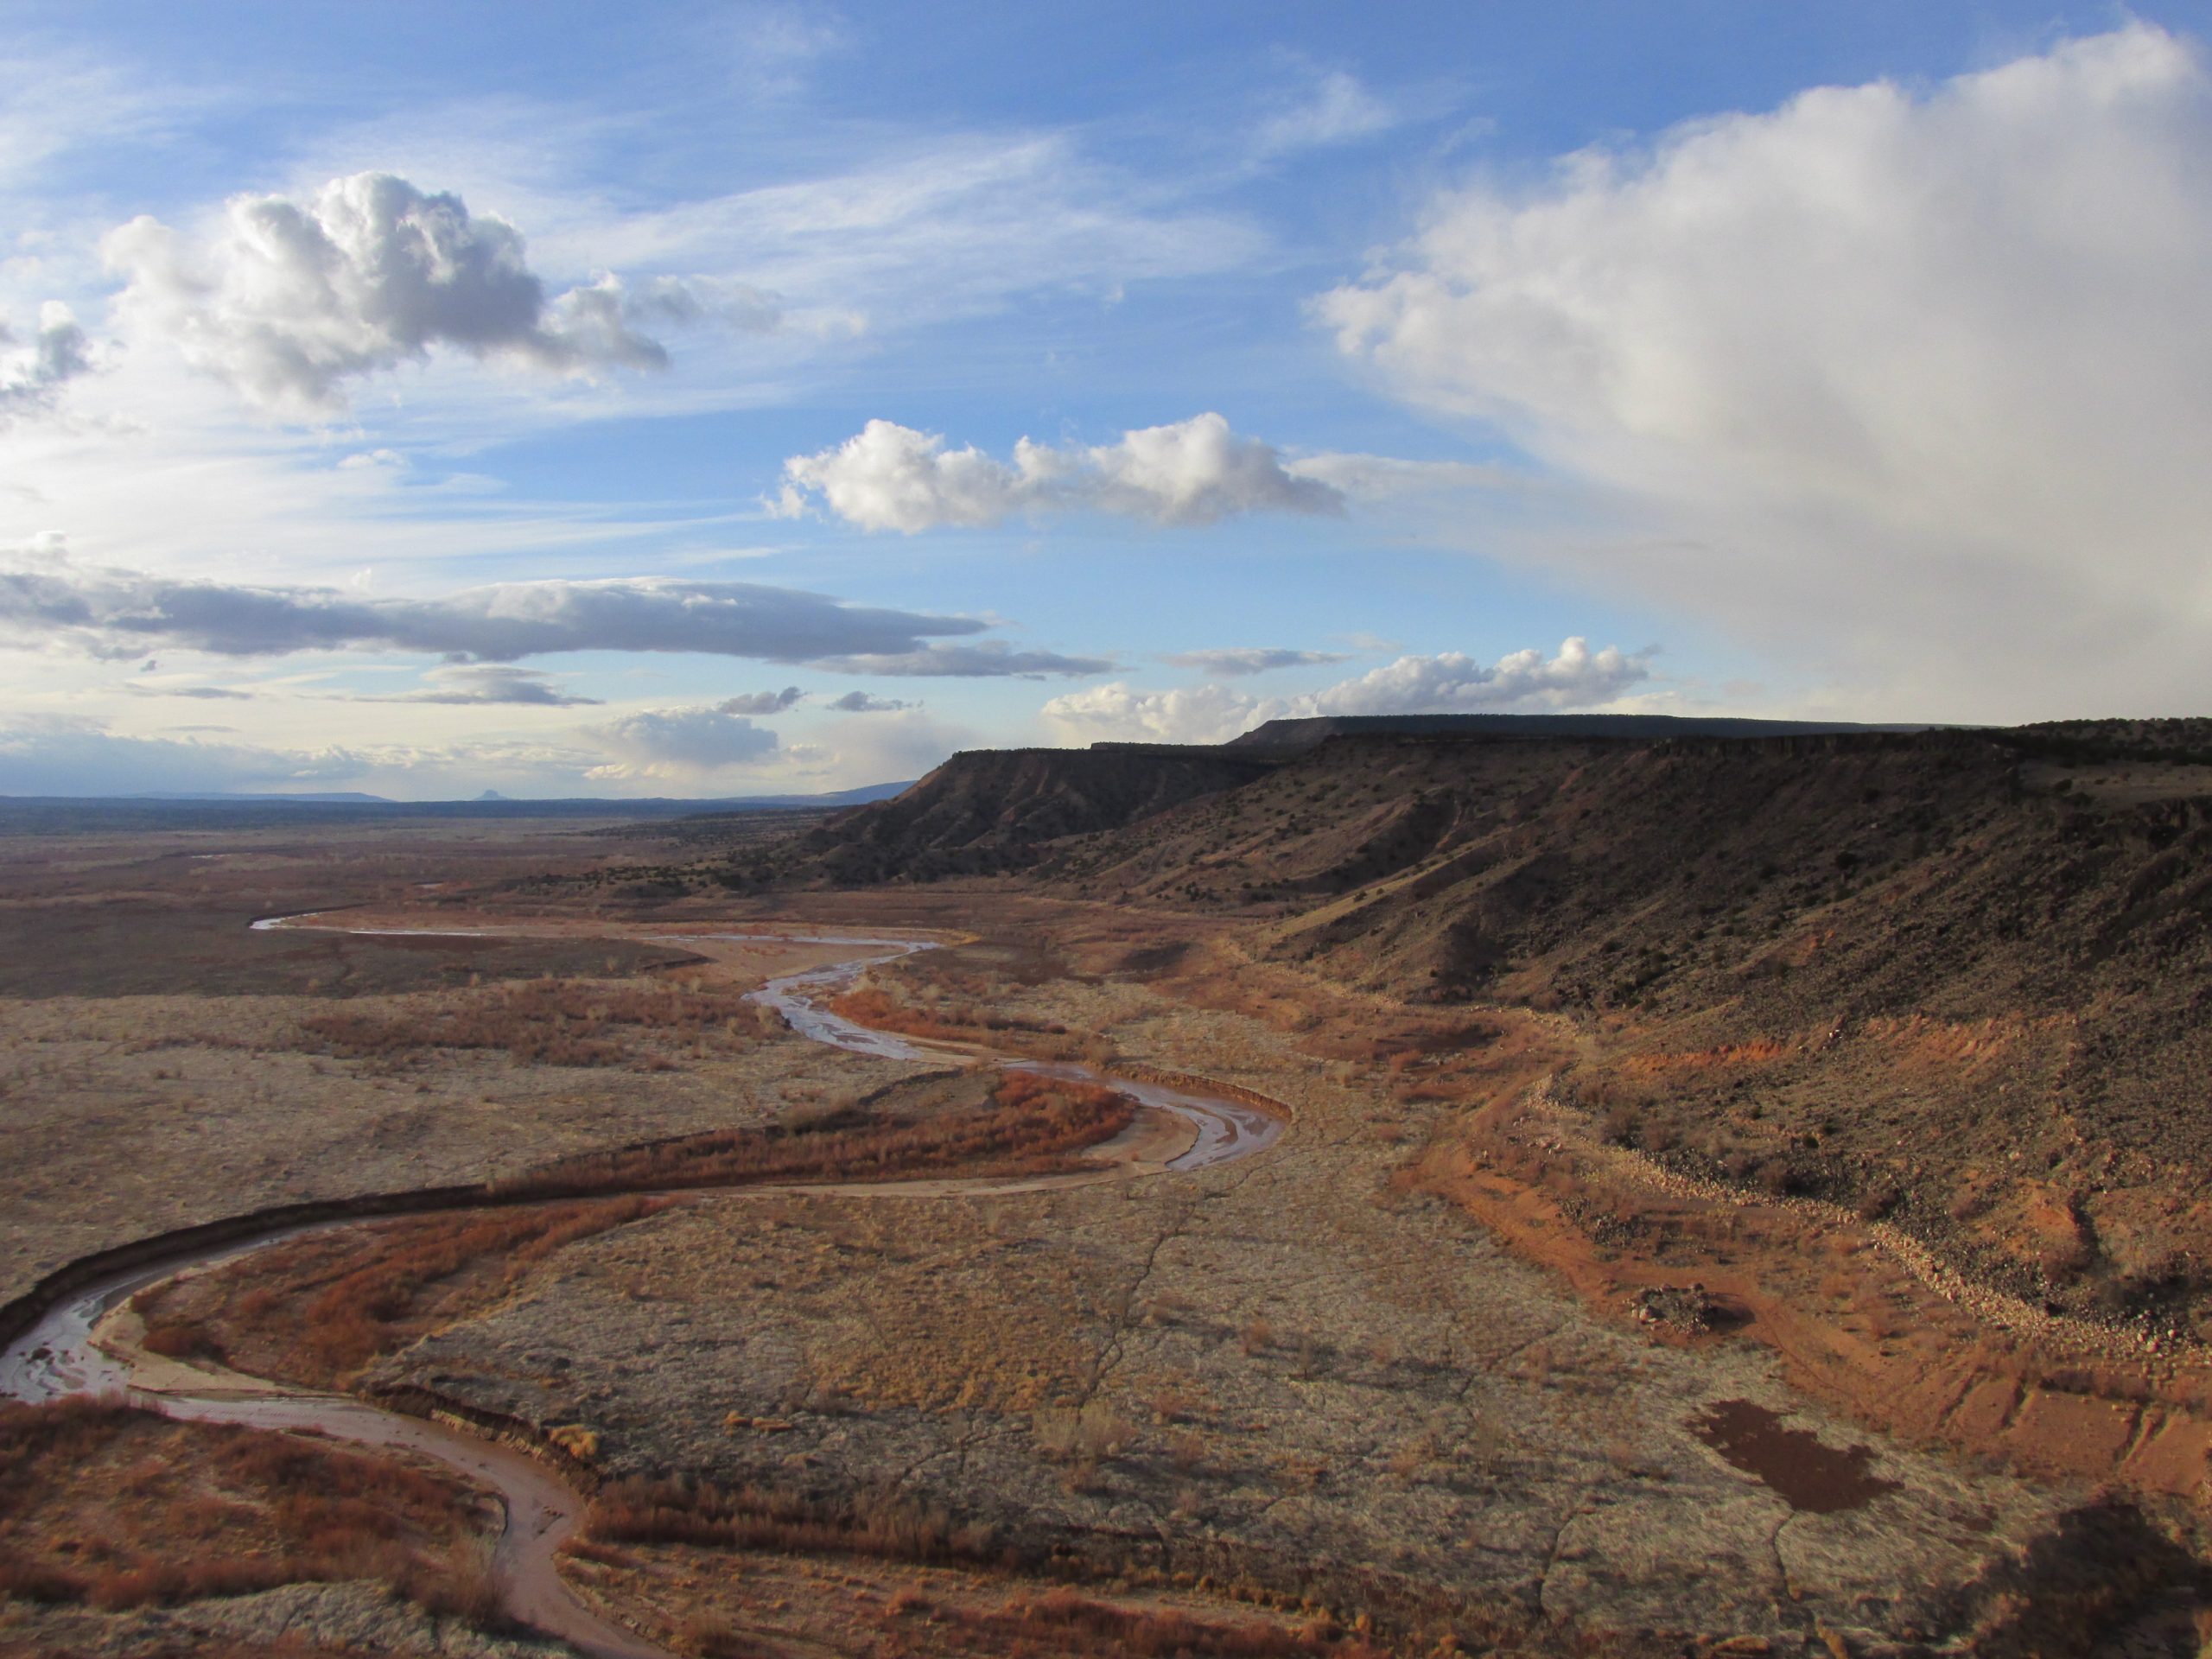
{"x": 1960, "y": 974}
{"x": 990, "y": 810}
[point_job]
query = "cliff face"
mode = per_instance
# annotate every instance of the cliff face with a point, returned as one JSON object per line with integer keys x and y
{"x": 1867, "y": 871}
{"x": 991, "y": 809}
{"x": 1305, "y": 733}
{"x": 1974, "y": 964}
{"x": 1963, "y": 977}
{"x": 1978, "y": 870}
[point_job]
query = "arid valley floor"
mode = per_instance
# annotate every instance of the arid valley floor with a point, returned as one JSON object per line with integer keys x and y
{"x": 1695, "y": 1221}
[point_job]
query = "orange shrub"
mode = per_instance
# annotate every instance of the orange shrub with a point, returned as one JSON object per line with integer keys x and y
{"x": 114, "y": 1507}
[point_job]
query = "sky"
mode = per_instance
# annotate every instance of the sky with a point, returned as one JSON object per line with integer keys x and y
{"x": 718, "y": 400}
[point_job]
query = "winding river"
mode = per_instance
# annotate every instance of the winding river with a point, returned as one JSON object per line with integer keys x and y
{"x": 59, "y": 1356}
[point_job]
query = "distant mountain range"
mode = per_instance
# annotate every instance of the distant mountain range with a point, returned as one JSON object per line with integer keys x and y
{"x": 493, "y": 797}
{"x": 45, "y": 814}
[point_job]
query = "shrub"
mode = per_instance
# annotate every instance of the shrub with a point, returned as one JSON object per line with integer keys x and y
{"x": 700, "y": 1514}
{"x": 1032, "y": 1127}
{"x": 322, "y": 1308}
{"x": 110, "y": 1506}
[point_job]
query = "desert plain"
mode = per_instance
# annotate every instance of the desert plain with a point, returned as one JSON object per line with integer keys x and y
{"x": 1546, "y": 1319}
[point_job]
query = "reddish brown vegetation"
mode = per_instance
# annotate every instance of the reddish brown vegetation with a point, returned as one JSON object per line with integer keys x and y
{"x": 1057, "y": 1623}
{"x": 964, "y": 1022}
{"x": 114, "y": 1507}
{"x": 1070, "y": 1627}
{"x": 320, "y": 1308}
{"x": 1032, "y": 1127}
{"x": 953, "y": 1023}
{"x": 549, "y": 1022}
{"x": 694, "y": 1512}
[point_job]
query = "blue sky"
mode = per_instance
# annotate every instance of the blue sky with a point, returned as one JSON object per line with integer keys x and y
{"x": 424, "y": 399}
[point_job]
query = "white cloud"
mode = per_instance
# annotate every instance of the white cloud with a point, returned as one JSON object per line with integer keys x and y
{"x": 1197, "y": 713}
{"x": 1524, "y": 681}
{"x": 1193, "y": 472}
{"x": 887, "y": 747}
{"x": 1383, "y": 477}
{"x": 1236, "y": 661}
{"x": 1337, "y": 110}
{"x": 1918, "y": 379}
{"x": 32, "y": 374}
{"x": 679, "y": 743}
{"x": 289, "y": 300}
{"x": 369, "y": 460}
{"x": 926, "y": 226}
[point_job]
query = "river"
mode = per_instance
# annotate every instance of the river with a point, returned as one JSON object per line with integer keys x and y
{"x": 58, "y": 1357}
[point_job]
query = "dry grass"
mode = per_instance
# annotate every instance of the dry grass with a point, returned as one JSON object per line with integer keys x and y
{"x": 697, "y": 1513}
{"x": 109, "y": 1506}
{"x": 1083, "y": 1436}
{"x": 547, "y": 1022}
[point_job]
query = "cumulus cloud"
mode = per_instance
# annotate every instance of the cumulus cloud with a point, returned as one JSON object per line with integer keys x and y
{"x": 1525, "y": 681}
{"x": 1193, "y": 472}
{"x": 48, "y": 601}
{"x": 890, "y": 747}
{"x": 1916, "y": 375}
{"x": 861, "y": 703}
{"x": 761, "y": 702}
{"x": 289, "y": 300}
{"x": 679, "y": 743}
{"x": 1197, "y": 713}
{"x": 1522, "y": 682}
{"x": 32, "y": 372}
{"x": 1234, "y": 662}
